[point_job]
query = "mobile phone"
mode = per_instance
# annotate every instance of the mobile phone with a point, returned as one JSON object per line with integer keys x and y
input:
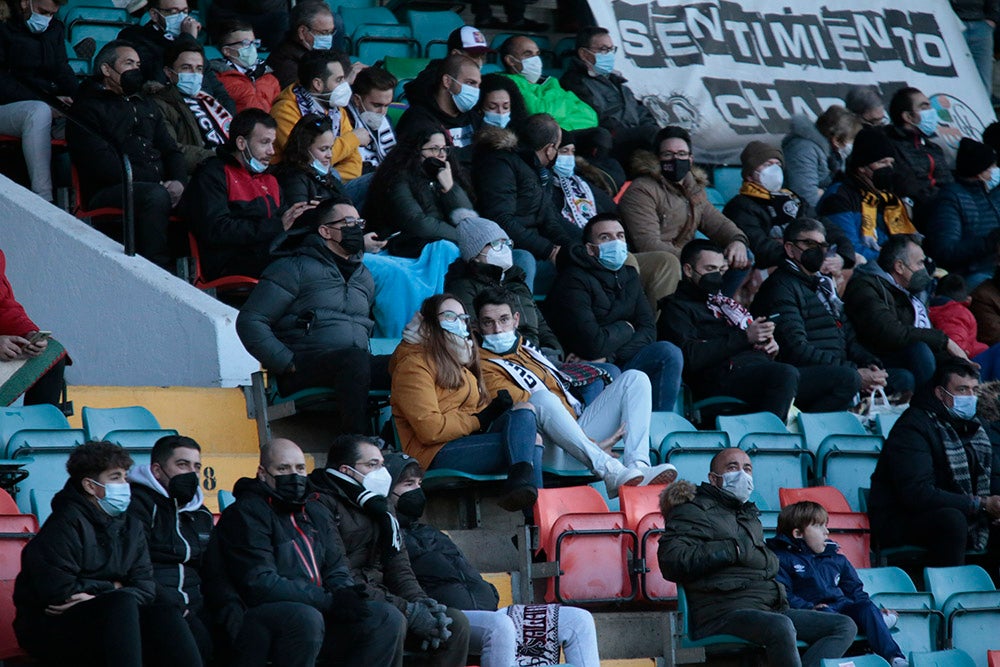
{"x": 771, "y": 318}
{"x": 392, "y": 236}
{"x": 38, "y": 337}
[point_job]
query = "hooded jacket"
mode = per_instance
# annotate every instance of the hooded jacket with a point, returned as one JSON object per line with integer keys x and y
{"x": 660, "y": 215}
{"x": 713, "y": 545}
{"x": 920, "y": 167}
{"x": 616, "y": 106}
{"x": 33, "y": 60}
{"x": 177, "y": 538}
{"x": 344, "y": 155}
{"x": 424, "y": 110}
{"x": 811, "y": 579}
{"x": 255, "y": 90}
{"x": 547, "y": 96}
{"x": 962, "y": 222}
{"x": 810, "y": 161}
{"x": 958, "y": 323}
{"x": 597, "y": 312}
{"x": 303, "y": 305}
{"x": 841, "y": 206}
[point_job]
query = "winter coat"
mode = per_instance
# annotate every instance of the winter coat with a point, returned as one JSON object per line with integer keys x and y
{"x": 256, "y": 90}
{"x": 284, "y": 60}
{"x": 235, "y": 215}
{"x": 883, "y": 317}
{"x": 810, "y": 578}
{"x": 424, "y": 112}
{"x": 465, "y": 280}
{"x": 428, "y": 416}
{"x": 300, "y": 184}
{"x": 977, "y": 10}
{"x": 713, "y": 545}
{"x": 177, "y": 538}
{"x": 805, "y": 330}
{"x": 132, "y": 123}
{"x": 840, "y": 206}
{"x": 30, "y": 61}
{"x": 958, "y": 323}
{"x": 79, "y": 549}
{"x": 616, "y": 106}
{"x": 14, "y": 320}
{"x": 386, "y": 576}
{"x": 183, "y": 127}
{"x": 445, "y": 573}
{"x": 303, "y": 306}
{"x": 985, "y": 307}
{"x": 810, "y": 161}
{"x": 497, "y": 379}
{"x": 961, "y": 223}
{"x": 344, "y": 155}
{"x": 660, "y": 215}
{"x": 512, "y": 189}
{"x": 920, "y": 167}
{"x": 596, "y": 312}
{"x": 547, "y": 96}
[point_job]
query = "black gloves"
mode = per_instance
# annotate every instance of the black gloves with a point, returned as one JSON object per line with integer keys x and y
{"x": 497, "y": 407}
{"x": 348, "y": 603}
{"x": 429, "y": 620}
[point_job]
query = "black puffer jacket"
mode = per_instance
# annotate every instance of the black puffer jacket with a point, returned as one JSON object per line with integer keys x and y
{"x": 596, "y": 312}
{"x": 714, "y": 546}
{"x": 977, "y": 10}
{"x": 29, "y": 60}
{"x": 920, "y": 167}
{"x": 305, "y": 184}
{"x": 961, "y": 222}
{"x": 79, "y": 549}
{"x": 807, "y": 333}
{"x": 616, "y": 106}
{"x": 303, "y": 305}
{"x": 445, "y": 573}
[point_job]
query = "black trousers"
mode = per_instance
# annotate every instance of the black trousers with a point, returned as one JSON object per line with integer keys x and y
{"x": 765, "y": 387}
{"x": 152, "y": 218}
{"x": 48, "y": 388}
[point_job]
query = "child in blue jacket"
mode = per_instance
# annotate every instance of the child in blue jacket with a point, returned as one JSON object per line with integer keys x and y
{"x": 816, "y": 577}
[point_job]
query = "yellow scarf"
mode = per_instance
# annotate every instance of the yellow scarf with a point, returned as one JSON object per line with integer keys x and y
{"x": 757, "y": 190}
{"x": 893, "y": 214}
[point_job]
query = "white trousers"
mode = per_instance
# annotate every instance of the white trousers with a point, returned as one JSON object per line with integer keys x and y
{"x": 32, "y": 122}
{"x": 492, "y": 637}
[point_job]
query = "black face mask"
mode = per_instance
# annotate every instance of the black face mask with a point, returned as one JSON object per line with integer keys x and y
{"x": 675, "y": 170}
{"x": 919, "y": 281}
{"x": 432, "y": 166}
{"x": 812, "y": 259}
{"x": 410, "y": 505}
{"x": 130, "y": 81}
{"x": 882, "y": 178}
{"x": 352, "y": 239}
{"x": 711, "y": 283}
{"x": 183, "y": 487}
{"x": 291, "y": 488}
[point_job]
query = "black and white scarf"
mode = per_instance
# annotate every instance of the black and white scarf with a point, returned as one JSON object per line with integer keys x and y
{"x": 376, "y": 507}
{"x": 536, "y": 628}
{"x": 958, "y": 461}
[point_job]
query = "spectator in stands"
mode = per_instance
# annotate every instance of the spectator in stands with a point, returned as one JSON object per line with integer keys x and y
{"x": 280, "y": 582}
{"x": 866, "y": 103}
{"x": 585, "y": 433}
{"x": 19, "y": 341}
{"x": 169, "y": 21}
{"x": 979, "y": 18}
{"x": 416, "y": 192}
{"x": 816, "y": 577}
{"x": 598, "y": 310}
{"x": 117, "y": 118}
{"x": 465, "y": 41}
{"x": 666, "y": 205}
{"x": 931, "y": 487}
{"x": 307, "y": 174}
{"x": 444, "y": 100}
{"x": 442, "y": 414}
{"x": 962, "y": 221}
{"x": 713, "y": 546}
{"x": 865, "y": 204}
{"x": 246, "y": 78}
{"x": 371, "y": 96}
{"x": 169, "y": 505}
{"x": 500, "y": 103}
{"x": 888, "y": 314}
{"x": 444, "y": 571}
{"x": 986, "y": 307}
{"x": 312, "y": 29}
{"x": 920, "y": 167}
{"x": 522, "y": 61}
{"x": 354, "y": 487}
{"x": 514, "y": 9}
{"x": 726, "y": 351}
{"x": 86, "y": 579}
{"x": 591, "y": 76}
{"x": 816, "y": 152}
{"x": 949, "y": 312}
{"x": 308, "y": 319}
{"x": 196, "y": 120}
{"x": 233, "y": 207}
{"x": 811, "y": 329}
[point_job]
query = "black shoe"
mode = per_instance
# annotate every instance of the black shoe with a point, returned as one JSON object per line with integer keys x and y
{"x": 527, "y": 25}
{"x": 519, "y": 490}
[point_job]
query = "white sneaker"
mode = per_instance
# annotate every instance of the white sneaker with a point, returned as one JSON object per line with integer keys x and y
{"x": 890, "y": 619}
{"x": 900, "y": 662}
{"x": 665, "y": 473}
{"x": 621, "y": 477}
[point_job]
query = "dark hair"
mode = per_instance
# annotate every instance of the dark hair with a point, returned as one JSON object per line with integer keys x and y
{"x": 227, "y": 27}
{"x": 585, "y": 35}
{"x": 539, "y": 130}
{"x": 494, "y": 296}
{"x": 316, "y": 216}
{"x": 345, "y": 448}
{"x": 507, "y": 47}
{"x": 860, "y": 99}
{"x": 671, "y": 132}
{"x": 801, "y": 225}
{"x": 183, "y": 44}
{"x": 302, "y": 137}
{"x": 838, "y": 123}
{"x": 448, "y": 369}
{"x": 991, "y": 136}
{"x": 244, "y": 123}
{"x": 92, "y": 458}
{"x": 304, "y": 12}
{"x": 588, "y": 229}
{"x": 801, "y": 515}
{"x": 894, "y": 248}
{"x": 901, "y": 103}
{"x": 373, "y": 78}
{"x": 108, "y": 55}
{"x": 692, "y": 250}
{"x": 165, "y": 446}
{"x": 453, "y": 64}
{"x": 952, "y": 286}
{"x": 494, "y": 82}
{"x": 315, "y": 65}
{"x": 953, "y": 366}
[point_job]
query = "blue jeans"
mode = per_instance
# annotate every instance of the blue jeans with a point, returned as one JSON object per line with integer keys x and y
{"x": 916, "y": 358}
{"x": 525, "y": 261}
{"x": 510, "y": 440}
{"x": 979, "y": 37}
{"x": 989, "y": 364}
{"x": 357, "y": 189}
{"x": 662, "y": 362}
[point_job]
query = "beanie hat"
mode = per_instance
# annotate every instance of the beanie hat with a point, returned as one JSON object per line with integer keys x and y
{"x": 870, "y": 145}
{"x": 397, "y": 463}
{"x": 474, "y": 232}
{"x": 973, "y": 158}
{"x": 757, "y": 153}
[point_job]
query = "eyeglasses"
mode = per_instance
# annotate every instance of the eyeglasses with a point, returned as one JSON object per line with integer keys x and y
{"x": 437, "y": 150}
{"x": 323, "y": 33}
{"x": 499, "y": 244}
{"x": 172, "y": 12}
{"x": 346, "y": 222}
{"x": 371, "y": 464}
{"x": 452, "y": 316}
{"x": 604, "y": 50}
{"x": 809, "y": 244}
{"x": 679, "y": 155}
{"x": 503, "y": 321}
{"x": 245, "y": 43}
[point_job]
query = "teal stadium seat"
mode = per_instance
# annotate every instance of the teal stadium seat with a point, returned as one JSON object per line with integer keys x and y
{"x": 682, "y": 445}
{"x": 971, "y": 606}
{"x": 845, "y": 453}
{"x": 949, "y": 658}
{"x": 432, "y": 29}
{"x": 780, "y": 458}
{"x": 727, "y": 180}
{"x": 869, "y": 660}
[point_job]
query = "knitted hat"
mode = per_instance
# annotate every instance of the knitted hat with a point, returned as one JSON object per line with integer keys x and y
{"x": 397, "y": 463}
{"x": 474, "y": 232}
{"x": 757, "y": 153}
{"x": 870, "y": 145}
{"x": 973, "y": 158}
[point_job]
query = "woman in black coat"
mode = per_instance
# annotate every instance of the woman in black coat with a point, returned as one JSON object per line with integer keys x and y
{"x": 305, "y": 172}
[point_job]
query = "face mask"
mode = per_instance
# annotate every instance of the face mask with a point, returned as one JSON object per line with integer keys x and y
{"x": 466, "y": 98}
{"x": 291, "y": 488}
{"x": 183, "y": 487}
{"x": 604, "y": 63}
{"x": 377, "y": 481}
{"x": 994, "y": 179}
{"x": 341, "y": 95}
{"x": 352, "y": 239}
{"x": 372, "y": 120}
{"x": 130, "y": 81}
{"x": 772, "y": 177}
{"x": 499, "y": 343}
{"x": 882, "y": 178}
{"x": 253, "y": 164}
{"x": 457, "y": 328}
{"x": 963, "y": 407}
{"x": 172, "y": 24}
{"x": 496, "y": 119}
{"x": 322, "y": 42}
{"x": 812, "y": 259}
{"x": 531, "y": 68}
{"x": 247, "y": 55}
{"x": 37, "y": 22}
{"x": 612, "y": 254}
{"x": 564, "y": 166}
{"x": 322, "y": 169}
{"x": 845, "y": 152}
{"x": 116, "y": 497}
{"x": 675, "y": 170}
{"x": 411, "y": 504}
{"x": 919, "y": 281}
{"x": 711, "y": 283}
{"x": 928, "y": 122}
{"x": 739, "y": 483}
{"x": 502, "y": 258}
{"x": 189, "y": 83}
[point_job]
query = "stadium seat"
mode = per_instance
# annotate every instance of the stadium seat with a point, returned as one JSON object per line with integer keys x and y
{"x": 727, "y": 180}
{"x": 971, "y": 606}
{"x": 564, "y": 49}
{"x": 43, "y": 455}
{"x": 98, "y": 422}
{"x": 78, "y": 16}
{"x": 100, "y": 33}
{"x": 613, "y": 504}
{"x": 7, "y": 504}
{"x": 405, "y": 68}
{"x": 223, "y": 284}
{"x": 948, "y": 658}
{"x": 779, "y": 457}
{"x": 845, "y": 452}
{"x": 869, "y": 660}
{"x": 849, "y": 529}
{"x": 15, "y": 531}
{"x": 374, "y": 42}
{"x": 226, "y": 498}
{"x": 706, "y": 645}
{"x": 337, "y": 5}
{"x": 994, "y": 658}
{"x": 768, "y": 516}
{"x": 829, "y": 497}
{"x": 763, "y": 429}
{"x": 715, "y": 198}
{"x": 641, "y": 506}
{"x": 681, "y": 444}
{"x": 432, "y": 29}
{"x": 885, "y": 423}
{"x": 44, "y": 417}
{"x": 81, "y": 211}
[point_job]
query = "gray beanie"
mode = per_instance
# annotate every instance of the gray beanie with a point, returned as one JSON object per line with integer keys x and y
{"x": 474, "y": 232}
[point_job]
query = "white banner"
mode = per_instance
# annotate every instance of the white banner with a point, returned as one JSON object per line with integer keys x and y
{"x": 734, "y": 72}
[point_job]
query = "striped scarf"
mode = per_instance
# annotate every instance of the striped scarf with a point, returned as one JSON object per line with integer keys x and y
{"x": 958, "y": 461}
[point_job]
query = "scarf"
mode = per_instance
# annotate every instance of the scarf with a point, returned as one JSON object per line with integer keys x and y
{"x": 212, "y": 118}
{"x": 725, "y": 308}
{"x": 921, "y": 318}
{"x": 894, "y": 215}
{"x": 527, "y": 380}
{"x": 310, "y": 105}
{"x": 375, "y": 507}
{"x": 536, "y": 628}
{"x": 782, "y": 207}
{"x": 958, "y": 461}
{"x": 462, "y": 347}
{"x": 578, "y": 200}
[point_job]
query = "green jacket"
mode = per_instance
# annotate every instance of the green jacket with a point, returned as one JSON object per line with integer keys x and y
{"x": 548, "y": 96}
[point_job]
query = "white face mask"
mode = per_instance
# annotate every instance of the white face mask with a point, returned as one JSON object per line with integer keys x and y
{"x": 341, "y": 95}
{"x": 372, "y": 120}
{"x": 531, "y": 68}
{"x": 503, "y": 258}
{"x": 739, "y": 483}
{"x": 772, "y": 177}
{"x": 845, "y": 152}
{"x": 378, "y": 482}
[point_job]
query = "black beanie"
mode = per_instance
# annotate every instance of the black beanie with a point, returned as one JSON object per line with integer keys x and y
{"x": 870, "y": 145}
{"x": 973, "y": 158}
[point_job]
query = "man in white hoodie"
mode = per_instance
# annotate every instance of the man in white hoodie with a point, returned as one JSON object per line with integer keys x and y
{"x": 168, "y": 502}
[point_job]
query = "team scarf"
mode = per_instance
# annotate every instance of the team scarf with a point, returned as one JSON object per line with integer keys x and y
{"x": 212, "y": 118}
{"x": 894, "y": 214}
{"x": 536, "y": 629}
{"x": 958, "y": 462}
{"x": 782, "y": 206}
{"x": 374, "y": 506}
{"x": 310, "y": 105}
{"x": 530, "y": 382}
{"x": 731, "y": 310}
{"x": 578, "y": 200}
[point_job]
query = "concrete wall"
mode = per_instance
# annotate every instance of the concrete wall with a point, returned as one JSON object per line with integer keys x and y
{"x": 123, "y": 320}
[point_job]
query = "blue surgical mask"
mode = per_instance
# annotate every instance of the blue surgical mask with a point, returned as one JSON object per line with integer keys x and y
{"x": 321, "y": 168}
{"x": 496, "y": 119}
{"x": 116, "y": 497}
{"x": 963, "y": 407}
{"x": 253, "y": 164}
{"x": 38, "y": 22}
{"x": 189, "y": 83}
{"x": 564, "y": 166}
{"x": 994, "y": 179}
{"x": 173, "y": 23}
{"x": 499, "y": 343}
{"x": 322, "y": 42}
{"x": 466, "y": 98}
{"x": 247, "y": 56}
{"x": 604, "y": 63}
{"x": 457, "y": 327}
{"x": 928, "y": 121}
{"x": 612, "y": 254}
{"x": 531, "y": 68}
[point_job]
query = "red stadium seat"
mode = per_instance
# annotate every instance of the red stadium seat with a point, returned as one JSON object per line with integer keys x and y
{"x": 850, "y": 530}
{"x": 225, "y": 283}
{"x": 641, "y": 505}
{"x": 829, "y": 497}
{"x": 15, "y": 531}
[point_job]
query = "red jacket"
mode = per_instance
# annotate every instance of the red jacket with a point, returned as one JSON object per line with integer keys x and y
{"x": 13, "y": 320}
{"x": 249, "y": 93}
{"x": 955, "y": 319}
